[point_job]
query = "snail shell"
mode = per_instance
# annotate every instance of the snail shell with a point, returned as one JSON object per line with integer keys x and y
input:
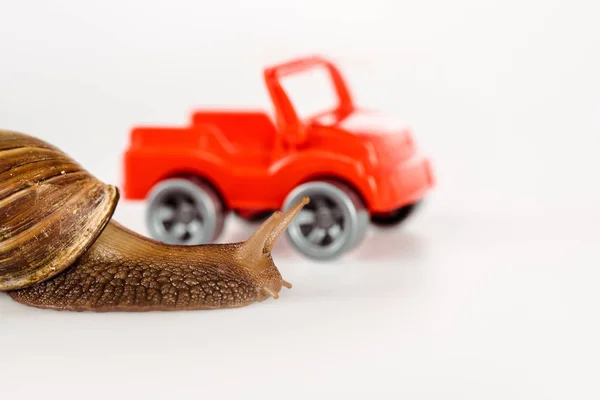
{"x": 52, "y": 210}
{"x": 59, "y": 248}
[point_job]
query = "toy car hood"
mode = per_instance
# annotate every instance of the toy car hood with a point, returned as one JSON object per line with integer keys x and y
{"x": 367, "y": 123}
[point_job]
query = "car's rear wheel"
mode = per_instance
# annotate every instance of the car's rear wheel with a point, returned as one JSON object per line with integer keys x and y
{"x": 184, "y": 211}
{"x": 395, "y": 217}
{"x": 334, "y": 222}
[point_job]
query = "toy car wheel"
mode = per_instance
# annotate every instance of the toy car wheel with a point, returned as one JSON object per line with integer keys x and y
{"x": 395, "y": 217}
{"x": 182, "y": 211}
{"x": 332, "y": 223}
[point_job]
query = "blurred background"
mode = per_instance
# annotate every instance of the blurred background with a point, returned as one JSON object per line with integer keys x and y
{"x": 488, "y": 292}
{"x": 501, "y": 93}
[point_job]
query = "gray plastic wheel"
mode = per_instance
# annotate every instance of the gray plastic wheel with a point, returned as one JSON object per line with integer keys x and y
{"x": 334, "y": 221}
{"x": 182, "y": 211}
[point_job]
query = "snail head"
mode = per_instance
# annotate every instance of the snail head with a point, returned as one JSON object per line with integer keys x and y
{"x": 254, "y": 255}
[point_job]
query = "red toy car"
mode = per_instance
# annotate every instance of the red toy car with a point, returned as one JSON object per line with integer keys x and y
{"x": 355, "y": 165}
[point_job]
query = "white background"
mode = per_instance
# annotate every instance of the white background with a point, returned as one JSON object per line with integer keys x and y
{"x": 489, "y": 292}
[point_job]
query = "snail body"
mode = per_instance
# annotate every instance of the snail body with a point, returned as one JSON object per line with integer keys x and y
{"x": 60, "y": 249}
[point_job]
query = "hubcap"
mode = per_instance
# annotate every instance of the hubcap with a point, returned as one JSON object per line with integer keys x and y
{"x": 180, "y": 217}
{"x": 332, "y": 223}
{"x": 321, "y": 222}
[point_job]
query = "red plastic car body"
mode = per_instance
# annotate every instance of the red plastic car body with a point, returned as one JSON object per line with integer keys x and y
{"x": 254, "y": 164}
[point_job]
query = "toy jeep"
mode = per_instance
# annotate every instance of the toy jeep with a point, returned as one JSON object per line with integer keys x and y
{"x": 355, "y": 165}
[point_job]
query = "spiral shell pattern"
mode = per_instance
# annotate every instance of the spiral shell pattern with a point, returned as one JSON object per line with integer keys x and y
{"x": 51, "y": 210}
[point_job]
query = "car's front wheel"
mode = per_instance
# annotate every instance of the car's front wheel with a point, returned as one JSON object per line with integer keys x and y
{"x": 333, "y": 222}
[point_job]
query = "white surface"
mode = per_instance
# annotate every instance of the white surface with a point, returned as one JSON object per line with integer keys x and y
{"x": 490, "y": 292}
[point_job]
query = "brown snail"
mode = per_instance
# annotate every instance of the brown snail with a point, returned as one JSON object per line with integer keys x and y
{"x": 59, "y": 248}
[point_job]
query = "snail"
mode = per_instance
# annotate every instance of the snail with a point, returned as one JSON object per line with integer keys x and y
{"x": 60, "y": 248}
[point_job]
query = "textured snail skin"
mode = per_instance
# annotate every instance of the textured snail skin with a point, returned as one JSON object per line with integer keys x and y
{"x": 59, "y": 248}
{"x": 123, "y": 271}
